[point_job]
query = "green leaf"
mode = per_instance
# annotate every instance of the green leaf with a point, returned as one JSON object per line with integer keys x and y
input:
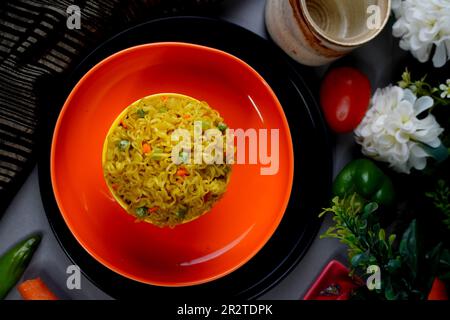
{"x": 382, "y": 235}
{"x": 392, "y": 238}
{"x": 369, "y": 209}
{"x": 359, "y": 259}
{"x": 393, "y": 265}
{"x": 389, "y": 292}
{"x": 445, "y": 258}
{"x": 444, "y": 265}
{"x": 440, "y": 154}
{"x": 409, "y": 248}
{"x": 431, "y": 266}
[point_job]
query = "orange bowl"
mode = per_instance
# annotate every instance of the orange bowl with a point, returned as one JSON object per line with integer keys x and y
{"x": 210, "y": 247}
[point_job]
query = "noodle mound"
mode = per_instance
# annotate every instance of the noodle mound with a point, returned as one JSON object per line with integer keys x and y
{"x": 138, "y": 166}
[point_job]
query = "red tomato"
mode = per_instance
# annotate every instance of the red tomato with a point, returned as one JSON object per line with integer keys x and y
{"x": 345, "y": 97}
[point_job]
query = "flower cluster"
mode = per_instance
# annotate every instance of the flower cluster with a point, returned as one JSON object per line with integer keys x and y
{"x": 421, "y": 25}
{"x": 445, "y": 90}
{"x": 393, "y": 132}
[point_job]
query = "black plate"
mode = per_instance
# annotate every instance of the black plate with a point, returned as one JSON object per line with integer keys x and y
{"x": 312, "y": 174}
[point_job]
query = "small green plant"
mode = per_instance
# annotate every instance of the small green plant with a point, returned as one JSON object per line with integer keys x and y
{"x": 355, "y": 227}
{"x": 407, "y": 271}
{"x": 441, "y": 200}
{"x": 421, "y": 88}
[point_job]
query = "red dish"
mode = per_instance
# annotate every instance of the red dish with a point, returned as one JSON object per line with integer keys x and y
{"x": 333, "y": 283}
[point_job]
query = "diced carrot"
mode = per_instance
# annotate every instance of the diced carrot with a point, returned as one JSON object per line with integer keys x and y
{"x": 115, "y": 186}
{"x": 164, "y": 98}
{"x": 153, "y": 209}
{"x": 182, "y": 172}
{"x": 123, "y": 124}
{"x": 186, "y": 116}
{"x": 35, "y": 289}
{"x": 146, "y": 148}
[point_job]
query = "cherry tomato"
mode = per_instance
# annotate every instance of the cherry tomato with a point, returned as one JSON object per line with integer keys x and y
{"x": 345, "y": 97}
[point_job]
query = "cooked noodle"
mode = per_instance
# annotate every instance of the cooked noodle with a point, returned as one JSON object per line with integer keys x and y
{"x": 139, "y": 169}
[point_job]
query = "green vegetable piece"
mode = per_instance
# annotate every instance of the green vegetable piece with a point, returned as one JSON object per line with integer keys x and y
{"x": 163, "y": 109}
{"x": 222, "y": 126}
{"x": 181, "y": 213}
{"x": 393, "y": 265}
{"x": 365, "y": 179}
{"x": 141, "y": 113}
{"x": 184, "y": 156}
{"x": 157, "y": 154}
{"x": 14, "y": 262}
{"x": 142, "y": 212}
{"x": 124, "y": 144}
{"x": 206, "y": 125}
{"x": 409, "y": 248}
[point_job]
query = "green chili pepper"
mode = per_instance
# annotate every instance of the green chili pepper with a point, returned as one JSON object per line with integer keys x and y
{"x": 364, "y": 178}
{"x": 14, "y": 262}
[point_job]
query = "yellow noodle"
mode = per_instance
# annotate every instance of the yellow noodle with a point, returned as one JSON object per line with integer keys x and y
{"x": 147, "y": 182}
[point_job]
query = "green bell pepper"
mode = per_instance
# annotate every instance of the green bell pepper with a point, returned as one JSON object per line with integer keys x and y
{"x": 14, "y": 262}
{"x": 365, "y": 179}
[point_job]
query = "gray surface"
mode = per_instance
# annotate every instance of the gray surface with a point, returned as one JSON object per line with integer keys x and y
{"x": 26, "y": 214}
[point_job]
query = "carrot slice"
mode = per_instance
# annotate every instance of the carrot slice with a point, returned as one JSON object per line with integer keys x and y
{"x": 182, "y": 172}
{"x": 146, "y": 148}
{"x": 123, "y": 124}
{"x": 35, "y": 289}
{"x": 115, "y": 186}
{"x": 186, "y": 116}
{"x": 154, "y": 209}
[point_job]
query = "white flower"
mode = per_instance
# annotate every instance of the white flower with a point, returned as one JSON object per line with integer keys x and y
{"x": 445, "y": 90}
{"x": 396, "y": 4}
{"x": 422, "y": 24}
{"x": 391, "y": 131}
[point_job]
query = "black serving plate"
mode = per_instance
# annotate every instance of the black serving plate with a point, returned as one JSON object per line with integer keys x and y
{"x": 312, "y": 173}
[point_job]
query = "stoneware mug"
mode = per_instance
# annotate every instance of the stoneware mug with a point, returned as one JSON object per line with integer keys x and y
{"x": 316, "y": 32}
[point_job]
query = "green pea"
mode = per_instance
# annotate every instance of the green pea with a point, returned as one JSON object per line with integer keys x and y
{"x": 181, "y": 213}
{"x": 124, "y": 144}
{"x": 184, "y": 156}
{"x": 222, "y": 126}
{"x": 141, "y": 113}
{"x": 142, "y": 212}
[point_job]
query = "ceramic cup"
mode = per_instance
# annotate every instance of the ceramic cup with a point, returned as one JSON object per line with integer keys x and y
{"x": 316, "y": 32}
